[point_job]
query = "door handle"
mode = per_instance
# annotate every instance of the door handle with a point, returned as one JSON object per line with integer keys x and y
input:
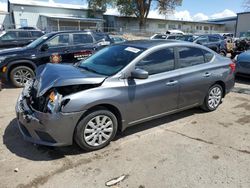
{"x": 172, "y": 83}
{"x": 207, "y": 74}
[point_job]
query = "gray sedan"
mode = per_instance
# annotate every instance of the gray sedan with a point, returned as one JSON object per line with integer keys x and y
{"x": 120, "y": 86}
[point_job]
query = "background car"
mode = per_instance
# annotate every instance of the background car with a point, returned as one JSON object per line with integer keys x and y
{"x": 120, "y": 86}
{"x": 18, "y": 64}
{"x": 18, "y": 38}
{"x": 28, "y": 28}
{"x": 116, "y": 39}
{"x": 185, "y": 37}
{"x": 213, "y": 41}
{"x": 188, "y": 38}
{"x": 243, "y": 64}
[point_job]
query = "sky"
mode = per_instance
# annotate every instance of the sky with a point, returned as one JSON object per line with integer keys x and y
{"x": 191, "y": 10}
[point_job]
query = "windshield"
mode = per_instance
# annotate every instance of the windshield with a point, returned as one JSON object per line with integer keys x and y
{"x": 111, "y": 60}
{"x": 38, "y": 41}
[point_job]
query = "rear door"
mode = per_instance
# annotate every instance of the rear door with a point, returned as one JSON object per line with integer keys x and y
{"x": 196, "y": 75}
{"x": 82, "y": 46}
{"x": 24, "y": 38}
{"x": 214, "y": 43}
{"x": 158, "y": 93}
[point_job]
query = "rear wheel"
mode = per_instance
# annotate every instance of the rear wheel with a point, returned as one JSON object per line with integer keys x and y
{"x": 213, "y": 98}
{"x": 96, "y": 130}
{"x": 20, "y": 75}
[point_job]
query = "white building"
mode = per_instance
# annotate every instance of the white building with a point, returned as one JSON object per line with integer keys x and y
{"x": 131, "y": 24}
{"x": 53, "y": 16}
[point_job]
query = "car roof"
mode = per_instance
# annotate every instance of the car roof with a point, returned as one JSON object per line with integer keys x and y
{"x": 25, "y": 30}
{"x": 148, "y": 43}
{"x": 77, "y": 31}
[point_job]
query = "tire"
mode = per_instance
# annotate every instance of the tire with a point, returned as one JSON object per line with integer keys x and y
{"x": 213, "y": 98}
{"x": 20, "y": 75}
{"x": 89, "y": 134}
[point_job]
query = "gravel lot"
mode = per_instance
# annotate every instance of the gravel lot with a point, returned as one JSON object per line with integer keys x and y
{"x": 188, "y": 149}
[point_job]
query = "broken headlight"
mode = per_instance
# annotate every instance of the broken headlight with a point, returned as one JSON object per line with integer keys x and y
{"x": 54, "y": 101}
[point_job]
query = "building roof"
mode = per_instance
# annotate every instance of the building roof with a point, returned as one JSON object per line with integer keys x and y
{"x": 48, "y": 4}
{"x": 72, "y": 18}
{"x": 183, "y": 21}
{"x": 243, "y": 13}
{"x": 3, "y": 12}
{"x": 232, "y": 18}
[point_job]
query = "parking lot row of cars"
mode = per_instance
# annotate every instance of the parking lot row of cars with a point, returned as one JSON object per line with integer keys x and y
{"x": 33, "y": 48}
{"x": 222, "y": 44}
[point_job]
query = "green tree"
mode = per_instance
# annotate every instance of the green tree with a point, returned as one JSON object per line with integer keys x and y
{"x": 138, "y": 8}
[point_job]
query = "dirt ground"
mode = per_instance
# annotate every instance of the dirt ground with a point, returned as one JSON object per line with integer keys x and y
{"x": 188, "y": 149}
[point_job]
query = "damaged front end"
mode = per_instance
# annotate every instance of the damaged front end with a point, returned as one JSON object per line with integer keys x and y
{"x": 39, "y": 108}
{"x": 55, "y": 99}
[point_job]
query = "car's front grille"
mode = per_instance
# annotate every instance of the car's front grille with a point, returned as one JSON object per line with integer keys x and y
{"x": 37, "y": 103}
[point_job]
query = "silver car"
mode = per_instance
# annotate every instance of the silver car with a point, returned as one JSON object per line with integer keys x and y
{"x": 120, "y": 86}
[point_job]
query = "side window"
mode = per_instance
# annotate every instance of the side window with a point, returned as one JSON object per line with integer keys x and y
{"x": 158, "y": 62}
{"x": 36, "y": 34}
{"x": 82, "y": 38}
{"x": 208, "y": 56}
{"x": 100, "y": 36}
{"x": 59, "y": 40}
{"x": 11, "y": 35}
{"x": 23, "y": 34}
{"x": 213, "y": 39}
{"x": 189, "y": 56}
{"x": 171, "y": 37}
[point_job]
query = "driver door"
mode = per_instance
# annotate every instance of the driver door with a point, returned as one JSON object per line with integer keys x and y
{"x": 58, "y": 51}
{"x": 158, "y": 94}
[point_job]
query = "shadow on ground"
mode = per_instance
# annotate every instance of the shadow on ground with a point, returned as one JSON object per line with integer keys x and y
{"x": 13, "y": 140}
{"x": 242, "y": 80}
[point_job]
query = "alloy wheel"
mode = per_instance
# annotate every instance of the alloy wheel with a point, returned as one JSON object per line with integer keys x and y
{"x": 214, "y": 97}
{"x": 22, "y": 76}
{"x": 98, "y": 130}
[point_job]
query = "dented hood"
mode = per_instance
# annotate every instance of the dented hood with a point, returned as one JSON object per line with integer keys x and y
{"x": 57, "y": 75}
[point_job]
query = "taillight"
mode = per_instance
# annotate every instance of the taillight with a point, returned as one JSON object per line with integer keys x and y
{"x": 233, "y": 65}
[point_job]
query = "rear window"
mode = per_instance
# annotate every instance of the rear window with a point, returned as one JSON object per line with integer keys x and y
{"x": 82, "y": 38}
{"x": 189, "y": 56}
{"x": 208, "y": 56}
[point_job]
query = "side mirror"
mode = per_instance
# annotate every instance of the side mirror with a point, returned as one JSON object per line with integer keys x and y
{"x": 44, "y": 47}
{"x": 139, "y": 74}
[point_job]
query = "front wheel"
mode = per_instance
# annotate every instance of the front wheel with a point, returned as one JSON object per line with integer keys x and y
{"x": 20, "y": 75}
{"x": 96, "y": 130}
{"x": 213, "y": 98}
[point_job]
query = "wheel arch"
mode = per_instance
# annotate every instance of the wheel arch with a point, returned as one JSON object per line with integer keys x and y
{"x": 105, "y": 106}
{"x": 15, "y": 64}
{"x": 223, "y": 85}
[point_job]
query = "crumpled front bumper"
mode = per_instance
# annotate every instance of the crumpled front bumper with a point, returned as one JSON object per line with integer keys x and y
{"x": 55, "y": 129}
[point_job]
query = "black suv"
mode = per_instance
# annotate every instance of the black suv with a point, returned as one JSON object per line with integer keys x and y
{"x": 214, "y": 42}
{"x": 18, "y": 38}
{"x": 18, "y": 64}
